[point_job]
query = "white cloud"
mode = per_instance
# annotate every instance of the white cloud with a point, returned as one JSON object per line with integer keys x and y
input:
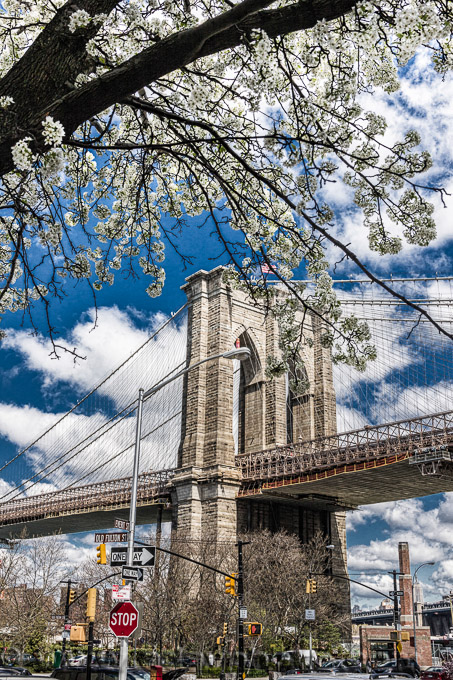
{"x": 423, "y": 103}
{"x": 429, "y": 534}
{"x": 106, "y": 346}
{"x": 79, "y": 432}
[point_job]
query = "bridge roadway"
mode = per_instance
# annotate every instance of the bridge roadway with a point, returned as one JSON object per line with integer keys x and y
{"x": 404, "y": 459}
{"x": 436, "y": 615}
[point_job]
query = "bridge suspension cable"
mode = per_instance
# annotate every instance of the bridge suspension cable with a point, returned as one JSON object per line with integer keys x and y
{"x": 93, "y": 441}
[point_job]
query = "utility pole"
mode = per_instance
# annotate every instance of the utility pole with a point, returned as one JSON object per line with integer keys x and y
{"x": 396, "y": 618}
{"x": 124, "y": 642}
{"x": 240, "y": 675}
{"x": 66, "y": 620}
{"x": 310, "y": 637}
{"x": 90, "y": 648}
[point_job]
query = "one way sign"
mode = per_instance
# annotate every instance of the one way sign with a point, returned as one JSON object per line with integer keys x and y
{"x": 132, "y": 573}
{"x": 144, "y": 556}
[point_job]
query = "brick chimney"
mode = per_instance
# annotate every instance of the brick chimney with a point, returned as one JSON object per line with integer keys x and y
{"x": 405, "y": 585}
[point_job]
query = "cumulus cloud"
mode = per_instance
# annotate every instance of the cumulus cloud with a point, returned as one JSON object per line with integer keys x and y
{"x": 95, "y": 441}
{"x": 113, "y": 340}
{"x": 423, "y": 104}
{"x": 429, "y": 533}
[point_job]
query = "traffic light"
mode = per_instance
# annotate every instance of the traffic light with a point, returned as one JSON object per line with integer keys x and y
{"x": 230, "y": 585}
{"x": 311, "y": 586}
{"x": 255, "y": 629}
{"x": 72, "y": 596}
{"x": 225, "y": 628}
{"x": 91, "y": 603}
{"x": 101, "y": 554}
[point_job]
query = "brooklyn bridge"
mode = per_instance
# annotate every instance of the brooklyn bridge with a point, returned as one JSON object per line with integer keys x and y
{"x": 226, "y": 449}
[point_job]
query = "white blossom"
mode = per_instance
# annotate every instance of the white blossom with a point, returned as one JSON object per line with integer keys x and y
{"x": 23, "y": 156}
{"x": 79, "y": 19}
{"x": 53, "y": 132}
{"x": 6, "y": 101}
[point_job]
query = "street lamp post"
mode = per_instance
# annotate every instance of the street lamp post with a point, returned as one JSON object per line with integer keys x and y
{"x": 414, "y": 581}
{"x": 239, "y": 353}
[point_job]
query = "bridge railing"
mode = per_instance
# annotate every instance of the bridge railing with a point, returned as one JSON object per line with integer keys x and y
{"x": 74, "y": 499}
{"x": 366, "y": 444}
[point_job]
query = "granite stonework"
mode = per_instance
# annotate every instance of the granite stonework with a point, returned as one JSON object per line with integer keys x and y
{"x": 207, "y": 481}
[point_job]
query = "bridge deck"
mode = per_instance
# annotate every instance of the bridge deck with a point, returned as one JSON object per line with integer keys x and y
{"x": 353, "y": 468}
{"x": 360, "y": 467}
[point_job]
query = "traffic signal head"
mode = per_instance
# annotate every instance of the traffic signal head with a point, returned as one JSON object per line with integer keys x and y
{"x": 230, "y": 585}
{"x": 255, "y": 629}
{"x": 225, "y": 628}
{"x": 101, "y": 554}
{"x": 91, "y": 603}
{"x": 311, "y": 586}
{"x": 72, "y": 596}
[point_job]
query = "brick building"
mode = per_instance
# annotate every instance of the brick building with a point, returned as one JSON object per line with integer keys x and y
{"x": 376, "y": 644}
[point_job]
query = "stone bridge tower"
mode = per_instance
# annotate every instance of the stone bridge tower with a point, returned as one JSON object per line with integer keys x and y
{"x": 266, "y": 413}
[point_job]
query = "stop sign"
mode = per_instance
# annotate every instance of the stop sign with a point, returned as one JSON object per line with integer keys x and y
{"x": 123, "y": 619}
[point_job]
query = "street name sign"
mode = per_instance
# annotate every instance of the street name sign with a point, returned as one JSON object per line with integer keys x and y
{"x": 123, "y": 524}
{"x": 121, "y": 592}
{"x": 123, "y": 619}
{"x": 132, "y": 573}
{"x": 397, "y": 593}
{"x": 144, "y": 556}
{"x": 117, "y": 537}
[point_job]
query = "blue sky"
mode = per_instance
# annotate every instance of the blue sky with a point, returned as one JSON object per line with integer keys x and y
{"x": 34, "y": 387}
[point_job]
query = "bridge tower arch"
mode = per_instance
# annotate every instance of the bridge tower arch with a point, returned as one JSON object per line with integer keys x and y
{"x": 207, "y": 483}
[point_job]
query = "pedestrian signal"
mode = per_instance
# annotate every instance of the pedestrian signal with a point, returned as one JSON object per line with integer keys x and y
{"x": 101, "y": 554}
{"x": 255, "y": 629}
{"x": 230, "y": 585}
{"x": 72, "y": 596}
{"x": 220, "y": 640}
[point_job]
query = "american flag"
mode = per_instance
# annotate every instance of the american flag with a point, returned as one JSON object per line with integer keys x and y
{"x": 265, "y": 269}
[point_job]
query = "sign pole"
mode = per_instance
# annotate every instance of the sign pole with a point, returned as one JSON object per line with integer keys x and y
{"x": 66, "y": 619}
{"x": 124, "y": 646}
{"x": 240, "y": 588}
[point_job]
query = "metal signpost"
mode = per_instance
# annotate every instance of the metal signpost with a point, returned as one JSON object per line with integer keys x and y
{"x": 240, "y": 353}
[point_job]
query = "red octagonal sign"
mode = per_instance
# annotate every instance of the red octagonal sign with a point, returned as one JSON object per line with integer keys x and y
{"x": 123, "y": 619}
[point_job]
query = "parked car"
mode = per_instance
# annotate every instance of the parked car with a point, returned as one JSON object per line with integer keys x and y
{"x": 79, "y": 660}
{"x": 405, "y": 666}
{"x": 434, "y": 673}
{"x": 342, "y": 666}
{"x": 98, "y": 673}
{"x": 186, "y": 661}
{"x": 294, "y": 671}
{"x": 13, "y": 670}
